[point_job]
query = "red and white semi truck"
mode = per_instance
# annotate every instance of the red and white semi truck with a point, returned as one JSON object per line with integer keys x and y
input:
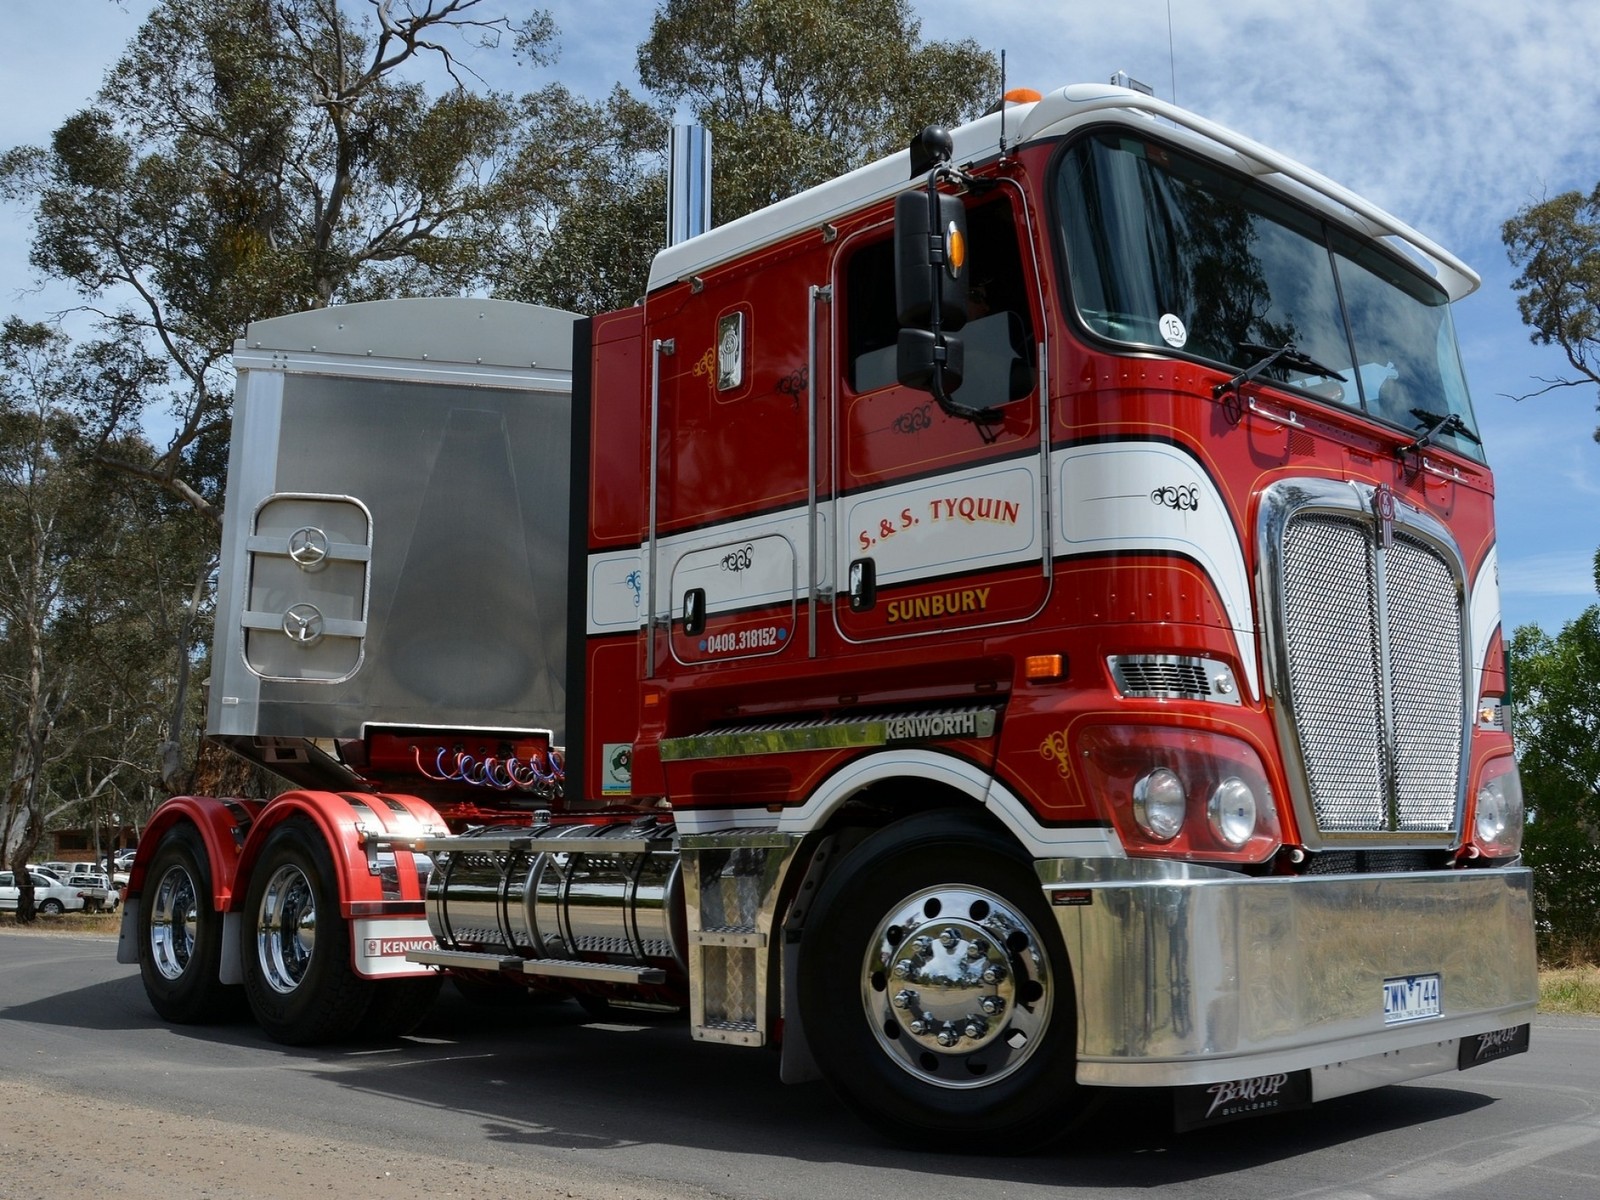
{"x": 1017, "y": 619}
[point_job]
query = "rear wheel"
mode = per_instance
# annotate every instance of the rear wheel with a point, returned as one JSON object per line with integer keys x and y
{"x": 52, "y": 907}
{"x": 180, "y": 933}
{"x": 935, "y": 991}
{"x": 297, "y": 969}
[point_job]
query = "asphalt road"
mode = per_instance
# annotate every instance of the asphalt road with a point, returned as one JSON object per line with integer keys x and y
{"x": 636, "y": 1108}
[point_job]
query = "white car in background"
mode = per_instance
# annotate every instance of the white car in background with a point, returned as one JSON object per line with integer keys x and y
{"x": 50, "y": 896}
{"x": 96, "y": 888}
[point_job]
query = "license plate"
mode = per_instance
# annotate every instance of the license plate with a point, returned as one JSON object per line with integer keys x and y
{"x": 1412, "y": 998}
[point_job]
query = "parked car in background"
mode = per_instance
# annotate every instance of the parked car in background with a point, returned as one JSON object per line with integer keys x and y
{"x": 122, "y": 860}
{"x": 50, "y": 895}
{"x": 98, "y": 891}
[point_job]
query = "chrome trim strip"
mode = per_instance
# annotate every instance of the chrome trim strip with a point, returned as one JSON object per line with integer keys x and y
{"x": 658, "y": 348}
{"x": 817, "y": 296}
{"x": 839, "y": 733}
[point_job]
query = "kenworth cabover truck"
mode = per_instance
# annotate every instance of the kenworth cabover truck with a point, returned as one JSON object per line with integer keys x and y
{"x": 1017, "y": 619}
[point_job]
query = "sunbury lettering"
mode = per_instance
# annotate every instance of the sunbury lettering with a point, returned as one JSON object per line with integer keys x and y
{"x": 938, "y": 604}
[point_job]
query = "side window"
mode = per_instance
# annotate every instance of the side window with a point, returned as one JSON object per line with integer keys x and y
{"x": 1000, "y": 320}
{"x": 871, "y": 328}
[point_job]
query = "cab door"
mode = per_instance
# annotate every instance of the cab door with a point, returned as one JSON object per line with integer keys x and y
{"x": 941, "y": 521}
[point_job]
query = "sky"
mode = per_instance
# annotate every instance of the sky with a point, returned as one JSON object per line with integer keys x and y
{"x": 1451, "y": 114}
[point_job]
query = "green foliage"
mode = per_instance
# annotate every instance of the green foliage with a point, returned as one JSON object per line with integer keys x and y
{"x": 796, "y": 92}
{"x": 248, "y": 158}
{"x": 1556, "y": 246}
{"x": 94, "y": 582}
{"x": 1557, "y": 725}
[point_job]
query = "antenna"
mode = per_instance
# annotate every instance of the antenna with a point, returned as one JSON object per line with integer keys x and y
{"x": 1002, "y": 104}
{"x": 1172, "y": 60}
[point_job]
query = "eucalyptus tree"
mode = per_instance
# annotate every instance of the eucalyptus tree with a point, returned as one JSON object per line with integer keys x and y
{"x": 795, "y": 92}
{"x": 247, "y": 158}
{"x": 1557, "y": 722}
{"x": 1555, "y": 244}
{"x": 85, "y": 563}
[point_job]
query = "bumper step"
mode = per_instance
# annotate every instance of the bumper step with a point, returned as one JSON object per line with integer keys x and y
{"x": 546, "y": 968}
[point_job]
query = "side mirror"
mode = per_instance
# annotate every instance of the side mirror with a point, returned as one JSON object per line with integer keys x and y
{"x": 930, "y": 260}
{"x": 924, "y": 359}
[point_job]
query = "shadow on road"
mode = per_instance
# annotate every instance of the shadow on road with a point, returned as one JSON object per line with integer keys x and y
{"x": 549, "y": 1075}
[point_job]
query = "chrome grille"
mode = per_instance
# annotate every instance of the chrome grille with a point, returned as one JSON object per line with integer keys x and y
{"x": 1368, "y": 662}
{"x": 1424, "y": 636}
{"x": 1331, "y": 625}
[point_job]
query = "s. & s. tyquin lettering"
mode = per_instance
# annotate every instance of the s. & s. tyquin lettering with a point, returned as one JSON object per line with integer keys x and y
{"x": 937, "y": 604}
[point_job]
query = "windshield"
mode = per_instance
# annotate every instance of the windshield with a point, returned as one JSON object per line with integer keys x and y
{"x": 1168, "y": 251}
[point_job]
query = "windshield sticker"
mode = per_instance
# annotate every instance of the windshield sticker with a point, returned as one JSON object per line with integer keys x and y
{"x": 1172, "y": 331}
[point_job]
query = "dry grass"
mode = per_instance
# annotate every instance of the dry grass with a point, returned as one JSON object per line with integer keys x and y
{"x": 1570, "y": 990}
{"x": 76, "y": 922}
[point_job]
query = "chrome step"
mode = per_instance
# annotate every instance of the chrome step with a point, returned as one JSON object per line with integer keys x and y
{"x": 556, "y": 968}
{"x": 548, "y": 968}
{"x": 466, "y": 960}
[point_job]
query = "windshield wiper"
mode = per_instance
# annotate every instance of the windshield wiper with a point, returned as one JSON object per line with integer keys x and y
{"x": 1285, "y": 355}
{"x": 1437, "y": 425}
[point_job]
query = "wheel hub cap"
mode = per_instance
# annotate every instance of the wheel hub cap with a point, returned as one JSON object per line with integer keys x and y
{"x": 172, "y": 923}
{"x": 286, "y": 928}
{"x": 956, "y": 986}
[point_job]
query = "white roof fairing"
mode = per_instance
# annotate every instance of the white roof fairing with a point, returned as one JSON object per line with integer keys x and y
{"x": 1057, "y": 114}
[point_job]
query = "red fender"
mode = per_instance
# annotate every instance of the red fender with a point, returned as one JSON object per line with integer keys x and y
{"x": 346, "y": 819}
{"x": 224, "y": 826}
{"x": 234, "y": 831}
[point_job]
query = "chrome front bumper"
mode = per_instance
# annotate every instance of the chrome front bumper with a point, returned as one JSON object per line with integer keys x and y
{"x": 1191, "y": 975}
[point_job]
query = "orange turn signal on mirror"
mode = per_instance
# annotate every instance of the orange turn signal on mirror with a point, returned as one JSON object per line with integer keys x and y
{"x": 1042, "y": 668}
{"x": 955, "y": 250}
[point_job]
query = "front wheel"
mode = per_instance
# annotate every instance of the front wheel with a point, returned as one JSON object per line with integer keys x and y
{"x": 935, "y": 992}
{"x": 297, "y": 970}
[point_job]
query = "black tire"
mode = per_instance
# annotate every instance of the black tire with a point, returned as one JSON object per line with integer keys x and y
{"x": 180, "y": 934}
{"x": 297, "y": 971}
{"x": 399, "y": 1006}
{"x": 51, "y": 907}
{"x": 935, "y": 992}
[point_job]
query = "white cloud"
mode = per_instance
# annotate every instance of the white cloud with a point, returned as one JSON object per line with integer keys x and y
{"x": 1446, "y": 113}
{"x": 1568, "y": 574}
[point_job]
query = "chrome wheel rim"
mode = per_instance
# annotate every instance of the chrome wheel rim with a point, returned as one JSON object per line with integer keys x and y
{"x": 174, "y": 915}
{"x": 956, "y": 987}
{"x": 286, "y": 928}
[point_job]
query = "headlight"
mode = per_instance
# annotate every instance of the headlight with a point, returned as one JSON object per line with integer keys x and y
{"x": 1232, "y": 812}
{"x": 1499, "y": 817}
{"x": 1158, "y": 804}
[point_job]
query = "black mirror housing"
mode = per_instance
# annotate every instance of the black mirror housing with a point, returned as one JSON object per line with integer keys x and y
{"x": 930, "y": 260}
{"x": 919, "y": 361}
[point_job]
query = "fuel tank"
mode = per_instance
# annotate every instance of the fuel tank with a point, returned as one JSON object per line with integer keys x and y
{"x": 588, "y": 892}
